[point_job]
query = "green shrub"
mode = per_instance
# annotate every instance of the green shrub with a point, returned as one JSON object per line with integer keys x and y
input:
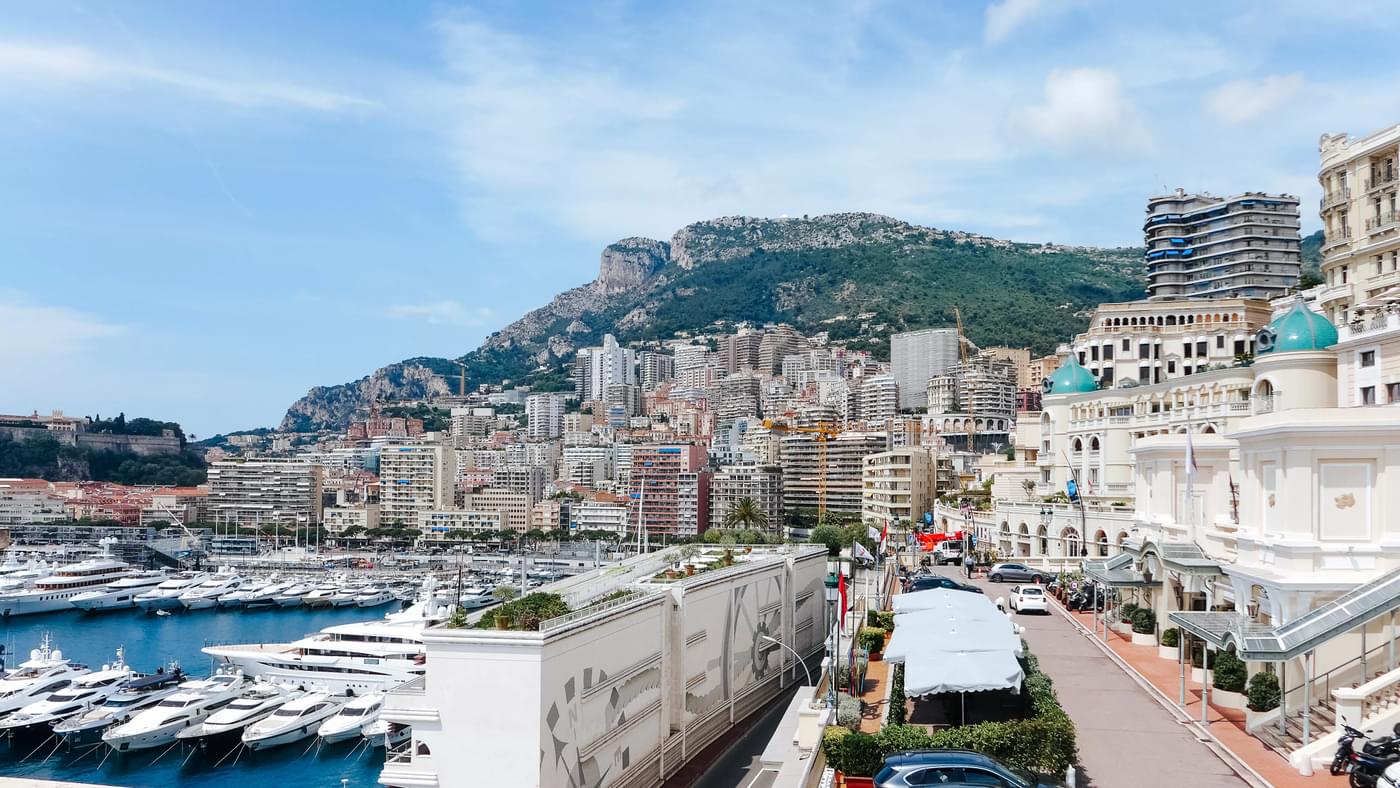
{"x": 872, "y": 639}
{"x": 831, "y": 743}
{"x": 1170, "y": 637}
{"x": 894, "y": 738}
{"x": 897, "y": 714}
{"x": 1125, "y": 611}
{"x": 1263, "y": 692}
{"x": 527, "y": 612}
{"x": 848, "y": 711}
{"x": 1144, "y": 621}
{"x": 859, "y": 755}
{"x": 1230, "y": 672}
{"x": 1198, "y": 659}
{"x": 884, "y": 619}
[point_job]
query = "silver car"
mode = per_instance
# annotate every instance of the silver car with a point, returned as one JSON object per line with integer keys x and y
{"x": 1017, "y": 572}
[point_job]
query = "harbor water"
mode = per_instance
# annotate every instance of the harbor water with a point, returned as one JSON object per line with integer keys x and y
{"x": 153, "y": 641}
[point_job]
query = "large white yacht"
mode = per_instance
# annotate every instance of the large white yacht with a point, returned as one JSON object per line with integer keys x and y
{"x": 44, "y": 673}
{"x": 352, "y": 717}
{"x": 166, "y": 596}
{"x": 206, "y": 594}
{"x": 261, "y": 700}
{"x": 130, "y": 699}
{"x": 82, "y": 694}
{"x": 120, "y": 595}
{"x": 56, "y": 591}
{"x": 159, "y": 724}
{"x": 300, "y": 719}
{"x": 362, "y": 657}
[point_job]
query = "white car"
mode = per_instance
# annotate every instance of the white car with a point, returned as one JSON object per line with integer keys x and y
{"x": 1025, "y": 599}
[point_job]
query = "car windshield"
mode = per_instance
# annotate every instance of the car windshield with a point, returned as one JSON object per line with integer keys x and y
{"x": 1030, "y": 592}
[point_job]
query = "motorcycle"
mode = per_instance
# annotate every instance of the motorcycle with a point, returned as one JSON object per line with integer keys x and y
{"x": 1363, "y": 769}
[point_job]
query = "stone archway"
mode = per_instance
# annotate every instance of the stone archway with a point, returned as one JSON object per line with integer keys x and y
{"x": 1042, "y": 541}
{"x": 1071, "y": 542}
{"x": 1101, "y": 543}
{"x": 1023, "y": 540}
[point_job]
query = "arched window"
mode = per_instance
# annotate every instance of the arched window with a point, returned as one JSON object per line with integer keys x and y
{"x": 1077, "y": 445}
{"x": 1101, "y": 542}
{"x": 1094, "y": 443}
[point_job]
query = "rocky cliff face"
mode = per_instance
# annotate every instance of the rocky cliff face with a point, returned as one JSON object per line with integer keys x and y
{"x": 337, "y": 406}
{"x": 818, "y": 273}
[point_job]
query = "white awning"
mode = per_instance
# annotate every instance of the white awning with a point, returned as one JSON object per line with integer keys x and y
{"x": 954, "y": 641}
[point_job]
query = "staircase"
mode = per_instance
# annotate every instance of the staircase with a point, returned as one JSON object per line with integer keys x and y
{"x": 1324, "y": 717}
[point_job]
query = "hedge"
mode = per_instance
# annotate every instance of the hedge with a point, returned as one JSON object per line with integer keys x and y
{"x": 1230, "y": 672}
{"x": 897, "y": 712}
{"x": 1170, "y": 637}
{"x": 1043, "y": 743}
{"x": 1144, "y": 621}
{"x": 1263, "y": 692}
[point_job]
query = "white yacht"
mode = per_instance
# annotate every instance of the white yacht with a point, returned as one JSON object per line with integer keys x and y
{"x": 295, "y": 721}
{"x": 120, "y": 595}
{"x": 25, "y": 576}
{"x": 353, "y": 716}
{"x": 191, "y": 705}
{"x": 363, "y": 657}
{"x": 44, "y": 673}
{"x": 131, "y": 698}
{"x": 166, "y": 596}
{"x": 265, "y": 597}
{"x": 320, "y": 596}
{"x": 374, "y": 597}
{"x": 345, "y": 597}
{"x": 292, "y": 596}
{"x": 79, "y": 696}
{"x": 54, "y": 592}
{"x": 258, "y": 702}
{"x": 382, "y": 733}
{"x": 206, "y": 594}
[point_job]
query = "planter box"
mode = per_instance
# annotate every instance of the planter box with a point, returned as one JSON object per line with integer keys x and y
{"x": 854, "y": 782}
{"x": 1198, "y": 675}
{"x": 875, "y": 656}
{"x": 1145, "y": 640}
{"x": 1168, "y": 652}
{"x": 1121, "y": 628}
{"x": 1227, "y": 700}
{"x": 1254, "y": 720}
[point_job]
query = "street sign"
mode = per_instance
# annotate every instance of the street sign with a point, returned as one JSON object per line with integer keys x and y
{"x": 1072, "y": 489}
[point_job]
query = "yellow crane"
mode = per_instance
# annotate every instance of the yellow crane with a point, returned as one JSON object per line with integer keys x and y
{"x": 824, "y": 431}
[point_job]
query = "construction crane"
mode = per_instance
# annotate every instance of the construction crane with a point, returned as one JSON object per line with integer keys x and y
{"x": 824, "y": 431}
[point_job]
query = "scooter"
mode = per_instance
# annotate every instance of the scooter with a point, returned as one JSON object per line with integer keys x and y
{"x": 1364, "y": 769}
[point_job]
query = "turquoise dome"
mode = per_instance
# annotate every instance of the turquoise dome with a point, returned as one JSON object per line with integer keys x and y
{"x": 1071, "y": 378}
{"x": 1298, "y": 329}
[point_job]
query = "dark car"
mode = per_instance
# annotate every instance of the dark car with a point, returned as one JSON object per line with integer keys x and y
{"x": 956, "y": 768}
{"x": 930, "y": 582}
{"x": 1017, "y": 572}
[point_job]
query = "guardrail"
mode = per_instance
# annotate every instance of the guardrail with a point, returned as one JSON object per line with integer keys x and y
{"x": 551, "y": 624}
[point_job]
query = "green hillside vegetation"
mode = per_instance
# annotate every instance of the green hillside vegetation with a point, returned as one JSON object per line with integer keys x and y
{"x": 45, "y": 458}
{"x": 1312, "y": 260}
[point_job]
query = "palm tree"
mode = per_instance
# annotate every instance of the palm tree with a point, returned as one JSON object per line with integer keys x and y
{"x": 746, "y": 513}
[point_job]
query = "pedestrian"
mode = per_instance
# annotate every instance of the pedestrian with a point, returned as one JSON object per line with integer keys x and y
{"x": 968, "y": 565}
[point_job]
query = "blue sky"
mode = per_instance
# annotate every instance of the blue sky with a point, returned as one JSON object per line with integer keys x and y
{"x": 210, "y": 207}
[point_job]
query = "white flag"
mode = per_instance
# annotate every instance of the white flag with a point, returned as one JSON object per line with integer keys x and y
{"x": 861, "y": 553}
{"x": 872, "y": 532}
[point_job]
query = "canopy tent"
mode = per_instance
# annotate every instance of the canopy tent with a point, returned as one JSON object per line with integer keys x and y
{"x": 953, "y": 641}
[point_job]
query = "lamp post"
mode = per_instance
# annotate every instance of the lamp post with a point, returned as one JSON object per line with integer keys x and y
{"x": 833, "y": 647}
{"x": 794, "y": 653}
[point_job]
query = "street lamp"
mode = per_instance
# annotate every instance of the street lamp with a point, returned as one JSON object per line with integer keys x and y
{"x": 790, "y": 650}
{"x": 832, "y": 594}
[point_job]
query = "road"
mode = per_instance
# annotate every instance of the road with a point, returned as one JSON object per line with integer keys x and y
{"x": 1126, "y": 738}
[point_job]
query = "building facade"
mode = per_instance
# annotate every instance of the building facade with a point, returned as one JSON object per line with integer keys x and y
{"x": 252, "y": 492}
{"x": 544, "y": 416}
{"x": 655, "y": 485}
{"x": 898, "y": 486}
{"x": 917, "y": 356}
{"x": 1360, "y": 221}
{"x": 1202, "y": 246}
{"x": 414, "y": 478}
{"x": 762, "y": 483}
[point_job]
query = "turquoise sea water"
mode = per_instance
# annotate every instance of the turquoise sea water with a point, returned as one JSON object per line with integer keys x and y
{"x": 152, "y": 641}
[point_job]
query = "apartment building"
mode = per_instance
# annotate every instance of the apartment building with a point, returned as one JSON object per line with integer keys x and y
{"x": 24, "y": 501}
{"x": 778, "y": 342}
{"x": 762, "y": 483}
{"x": 264, "y": 492}
{"x": 338, "y": 518}
{"x": 1149, "y": 342}
{"x": 544, "y": 416}
{"x": 1203, "y": 246}
{"x": 917, "y": 356}
{"x": 438, "y": 524}
{"x": 414, "y": 478}
{"x": 601, "y": 516}
{"x": 608, "y": 365}
{"x": 876, "y": 398}
{"x": 1361, "y": 249}
{"x": 1020, "y": 360}
{"x": 655, "y": 487}
{"x": 513, "y": 508}
{"x": 740, "y": 351}
{"x": 1040, "y": 369}
{"x": 831, "y": 471}
{"x": 527, "y": 480}
{"x": 739, "y": 397}
{"x": 471, "y": 423}
{"x": 692, "y": 503}
{"x": 898, "y": 486}
{"x": 655, "y": 368}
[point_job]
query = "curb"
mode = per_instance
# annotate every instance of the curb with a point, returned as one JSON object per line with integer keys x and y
{"x": 1237, "y": 764}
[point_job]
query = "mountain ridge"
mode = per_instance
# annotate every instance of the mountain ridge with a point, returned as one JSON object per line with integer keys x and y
{"x": 857, "y": 276}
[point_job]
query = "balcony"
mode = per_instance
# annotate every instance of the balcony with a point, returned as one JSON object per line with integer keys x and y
{"x": 1334, "y": 240}
{"x": 1383, "y": 222}
{"x": 1383, "y": 321}
{"x": 1335, "y": 197}
{"x": 1382, "y": 180}
{"x": 1265, "y": 403}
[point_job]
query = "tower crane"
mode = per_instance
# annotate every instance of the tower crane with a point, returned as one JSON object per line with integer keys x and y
{"x": 824, "y": 431}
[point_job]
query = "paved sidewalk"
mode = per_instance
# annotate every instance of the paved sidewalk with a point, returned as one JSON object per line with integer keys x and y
{"x": 1126, "y": 739}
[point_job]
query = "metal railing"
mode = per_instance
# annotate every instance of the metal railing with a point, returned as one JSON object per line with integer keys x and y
{"x": 551, "y": 624}
{"x": 417, "y": 686}
{"x": 1381, "y": 221}
{"x": 1265, "y": 403}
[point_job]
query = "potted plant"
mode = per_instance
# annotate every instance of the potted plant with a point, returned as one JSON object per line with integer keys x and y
{"x": 1263, "y": 700}
{"x": 1168, "y": 645}
{"x": 1124, "y": 624}
{"x": 872, "y": 639}
{"x": 1144, "y": 627}
{"x": 1229, "y": 681}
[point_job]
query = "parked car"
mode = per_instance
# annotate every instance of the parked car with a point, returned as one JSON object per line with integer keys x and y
{"x": 930, "y": 582}
{"x": 1018, "y": 572}
{"x": 1027, "y": 599}
{"x": 956, "y": 767}
{"x": 949, "y": 552}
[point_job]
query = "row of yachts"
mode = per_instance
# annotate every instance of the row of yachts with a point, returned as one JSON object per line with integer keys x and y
{"x": 132, "y": 712}
{"x": 106, "y": 583}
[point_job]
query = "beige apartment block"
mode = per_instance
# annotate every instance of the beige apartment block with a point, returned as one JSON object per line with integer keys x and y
{"x": 1361, "y": 251}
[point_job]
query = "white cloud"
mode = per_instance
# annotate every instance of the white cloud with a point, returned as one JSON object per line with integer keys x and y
{"x": 39, "y": 335}
{"x": 46, "y": 66}
{"x": 1084, "y": 108}
{"x": 1005, "y": 16}
{"x": 1245, "y": 99}
{"x": 443, "y": 313}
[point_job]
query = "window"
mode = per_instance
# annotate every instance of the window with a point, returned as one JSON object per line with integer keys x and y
{"x": 979, "y": 777}
{"x": 1392, "y": 392}
{"x": 1107, "y": 377}
{"x": 1144, "y": 375}
{"x": 1240, "y": 348}
{"x": 1107, "y": 352}
{"x": 1081, "y": 358}
{"x": 1094, "y": 353}
{"x": 935, "y": 777}
{"x": 1219, "y": 341}
{"x": 1144, "y": 351}
{"x": 1171, "y": 366}
{"x": 1368, "y": 395}
{"x": 1368, "y": 358}
{"x": 1127, "y": 344}
{"x": 1201, "y": 349}
{"x": 1186, "y": 349}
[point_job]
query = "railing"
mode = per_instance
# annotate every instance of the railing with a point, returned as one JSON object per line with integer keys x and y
{"x": 417, "y": 686}
{"x": 402, "y": 753}
{"x": 1264, "y": 403}
{"x": 592, "y": 610}
{"x": 1381, "y": 222}
{"x": 1335, "y": 197}
{"x": 1338, "y": 238}
{"x": 1361, "y": 695}
{"x": 1381, "y": 180}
